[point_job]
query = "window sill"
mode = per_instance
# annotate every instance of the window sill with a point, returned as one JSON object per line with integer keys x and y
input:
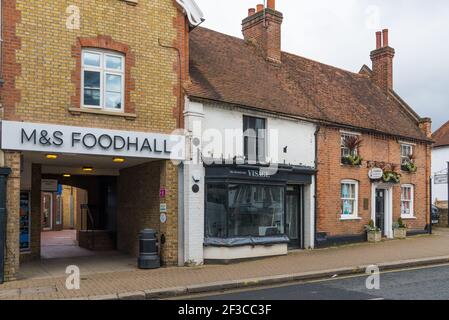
{"x": 350, "y": 166}
{"x": 409, "y": 218}
{"x": 79, "y": 111}
{"x": 352, "y": 218}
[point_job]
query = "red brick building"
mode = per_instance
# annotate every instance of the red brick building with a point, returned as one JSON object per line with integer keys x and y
{"x": 372, "y": 150}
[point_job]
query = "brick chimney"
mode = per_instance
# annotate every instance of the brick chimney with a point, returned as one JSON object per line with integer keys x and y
{"x": 382, "y": 59}
{"x": 263, "y": 28}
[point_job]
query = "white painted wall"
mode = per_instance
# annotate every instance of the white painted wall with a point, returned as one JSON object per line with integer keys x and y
{"x": 440, "y": 157}
{"x": 298, "y": 136}
{"x": 210, "y": 123}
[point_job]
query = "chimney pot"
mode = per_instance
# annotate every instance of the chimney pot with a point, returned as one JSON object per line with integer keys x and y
{"x": 378, "y": 40}
{"x": 251, "y": 11}
{"x": 260, "y": 7}
{"x": 271, "y": 4}
{"x": 382, "y": 59}
{"x": 385, "y": 36}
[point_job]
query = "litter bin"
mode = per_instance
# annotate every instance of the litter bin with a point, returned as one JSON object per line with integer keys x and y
{"x": 148, "y": 250}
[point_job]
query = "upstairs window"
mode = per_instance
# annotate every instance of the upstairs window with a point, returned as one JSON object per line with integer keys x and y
{"x": 103, "y": 80}
{"x": 406, "y": 153}
{"x": 254, "y": 139}
{"x": 347, "y": 143}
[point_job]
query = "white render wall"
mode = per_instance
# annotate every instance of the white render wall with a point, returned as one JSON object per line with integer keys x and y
{"x": 440, "y": 157}
{"x": 298, "y": 136}
{"x": 209, "y": 121}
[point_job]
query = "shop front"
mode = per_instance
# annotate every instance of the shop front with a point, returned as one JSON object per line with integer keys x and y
{"x": 250, "y": 212}
{"x": 74, "y": 196}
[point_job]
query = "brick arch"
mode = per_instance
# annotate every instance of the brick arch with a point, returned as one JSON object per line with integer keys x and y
{"x": 105, "y": 43}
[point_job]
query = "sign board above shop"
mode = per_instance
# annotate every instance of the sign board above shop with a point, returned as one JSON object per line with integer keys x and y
{"x": 25, "y": 136}
{"x": 441, "y": 179}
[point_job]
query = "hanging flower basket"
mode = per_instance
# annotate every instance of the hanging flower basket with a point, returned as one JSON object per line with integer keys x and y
{"x": 409, "y": 167}
{"x": 352, "y": 160}
{"x": 391, "y": 177}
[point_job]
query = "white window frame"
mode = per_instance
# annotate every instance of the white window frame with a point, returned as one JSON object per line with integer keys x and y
{"x": 355, "y": 215}
{"x": 103, "y": 72}
{"x": 411, "y": 200}
{"x": 405, "y": 158}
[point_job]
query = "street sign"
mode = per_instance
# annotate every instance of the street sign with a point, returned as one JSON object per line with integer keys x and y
{"x": 440, "y": 179}
{"x": 163, "y": 208}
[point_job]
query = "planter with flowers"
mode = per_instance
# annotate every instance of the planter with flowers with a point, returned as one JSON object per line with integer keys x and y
{"x": 400, "y": 230}
{"x": 391, "y": 175}
{"x": 374, "y": 234}
{"x": 410, "y": 165}
{"x": 352, "y": 143}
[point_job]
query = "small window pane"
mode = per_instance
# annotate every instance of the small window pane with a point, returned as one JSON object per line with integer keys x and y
{"x": 91, "y": 79}
{"x": 113, "y": 100}
{"x": 92, "y": 97}
{"x": 114, "y": 62}
{"x": 91, "y": 59}
{"x": 113, "y": 83}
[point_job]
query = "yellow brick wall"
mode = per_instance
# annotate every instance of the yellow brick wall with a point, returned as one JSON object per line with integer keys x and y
{"x": 47, "y": 64}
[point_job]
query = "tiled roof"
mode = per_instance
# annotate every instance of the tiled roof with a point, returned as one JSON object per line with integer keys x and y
{"x": 227, "y": 69}
{"x": 441, "y": 136}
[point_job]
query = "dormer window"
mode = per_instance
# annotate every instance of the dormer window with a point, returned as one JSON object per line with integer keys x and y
{"x": 103, "y": 80}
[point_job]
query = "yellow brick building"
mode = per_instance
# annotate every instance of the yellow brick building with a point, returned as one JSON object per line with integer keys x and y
{"x": 92, "y": 72}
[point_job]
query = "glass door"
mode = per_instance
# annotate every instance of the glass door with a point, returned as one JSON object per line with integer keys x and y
{"x": 293, "y": 221}
{"x": 47, "y": 211}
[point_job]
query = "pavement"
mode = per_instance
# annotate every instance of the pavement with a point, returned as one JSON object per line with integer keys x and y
{"x": 425, "y": 283}
{"x": 124, "y": 281}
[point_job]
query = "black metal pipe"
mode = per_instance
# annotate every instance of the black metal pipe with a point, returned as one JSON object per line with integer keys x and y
{"x": 430, "y": 204}
{"x": 4, "y": 173}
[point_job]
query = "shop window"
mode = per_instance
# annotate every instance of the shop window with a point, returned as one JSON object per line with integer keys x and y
{"x": 103, "y": 80}
{"x": 216, "y": 208}
{"x": 244, "y": 210}
{"x": 254, "y": 139}
{"x": 406, "y": 153}
{"x": 407, "y": 195}
{"x": 349, "y": 199}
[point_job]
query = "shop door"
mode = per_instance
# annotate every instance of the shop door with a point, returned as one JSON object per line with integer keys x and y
{"x": 380, "y": 210}
{"x": 294, "y": 219}
{"x": 58, "y": 208}
{"x": 47, "y": 211}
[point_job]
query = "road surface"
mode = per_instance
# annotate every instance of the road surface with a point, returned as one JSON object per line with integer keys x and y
{"x": 427, "y": 283}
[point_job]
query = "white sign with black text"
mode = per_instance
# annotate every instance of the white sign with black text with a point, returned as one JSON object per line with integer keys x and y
{"x": 49, "y": 138}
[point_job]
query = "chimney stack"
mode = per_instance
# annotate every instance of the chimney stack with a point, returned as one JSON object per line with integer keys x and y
{"x": 263, "y": 28}
{"x": 382, "y": 59}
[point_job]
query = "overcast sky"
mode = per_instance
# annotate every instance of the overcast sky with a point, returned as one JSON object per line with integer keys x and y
{"x": 341, "y": 33}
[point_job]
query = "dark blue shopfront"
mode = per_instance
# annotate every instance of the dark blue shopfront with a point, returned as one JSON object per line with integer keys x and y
{"x": 246, "y": 205}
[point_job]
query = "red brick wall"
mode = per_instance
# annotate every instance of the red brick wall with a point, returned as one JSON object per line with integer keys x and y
{"x": 331, "y": 173}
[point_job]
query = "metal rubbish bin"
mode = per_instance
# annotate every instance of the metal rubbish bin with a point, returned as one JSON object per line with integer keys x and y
{"x": 148, "y": 250}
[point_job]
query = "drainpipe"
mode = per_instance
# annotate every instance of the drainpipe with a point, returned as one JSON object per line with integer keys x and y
{"x": 316, "y": 185}
{"x": 4, "y": 173}
{"x": 430, "y": 204}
